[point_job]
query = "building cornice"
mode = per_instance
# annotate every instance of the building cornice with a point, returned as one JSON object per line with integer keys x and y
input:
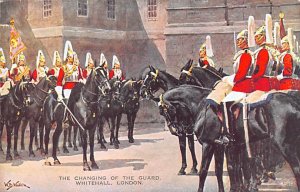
{"x": 83, "y": 32}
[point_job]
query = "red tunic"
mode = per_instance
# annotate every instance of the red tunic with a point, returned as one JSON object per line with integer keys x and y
{"x": 260, "y": 81}
{"x": 287, "y": 82}
{"x": 59, "y": 74}
{"x": 112, "y": 73}
{"x": 241, "y": 82}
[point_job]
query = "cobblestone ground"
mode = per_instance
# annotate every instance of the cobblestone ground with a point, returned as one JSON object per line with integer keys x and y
{"x": 150, "y": 164}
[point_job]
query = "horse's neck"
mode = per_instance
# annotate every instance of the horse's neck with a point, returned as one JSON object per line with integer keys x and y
{"x": 43, "y": 85}
{"x": 89, "y": 88}
{"x": 169, "y": 80}
{"x": 205, "y": 77}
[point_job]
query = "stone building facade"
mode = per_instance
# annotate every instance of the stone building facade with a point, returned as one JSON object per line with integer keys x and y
{"x": 163, "y": 33}
{"x": 190, "y": 21}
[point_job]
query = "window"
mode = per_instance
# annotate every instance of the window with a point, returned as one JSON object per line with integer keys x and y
{"x": 152, "y": 9}
{"x": 111, "y": 9}
{"x": 47, "y": 8}
{"x": 82, "y": 9}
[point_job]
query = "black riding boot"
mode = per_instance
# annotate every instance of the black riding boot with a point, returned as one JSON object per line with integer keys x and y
{"x": 226, "y": 137}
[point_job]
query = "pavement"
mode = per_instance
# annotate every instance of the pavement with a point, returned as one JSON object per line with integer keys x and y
{"x": 150, "y": 164}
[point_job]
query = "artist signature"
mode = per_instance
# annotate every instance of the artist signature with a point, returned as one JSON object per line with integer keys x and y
{"x": 11, "y": 184}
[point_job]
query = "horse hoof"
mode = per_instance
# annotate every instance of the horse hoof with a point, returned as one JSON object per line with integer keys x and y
{"x": 42, "y": 151}
{"x": 116, "y": 145}
{"x": 193, "y": 171}
{"x": 9, "y": 157}
{"x": 117, "y": 141}
{"x": 181, "y": 172}
{"x": 111, "y": 143}
{"x": 31, "y": 154}
{"x": 94, "y": 166}
{"x": 70, "y": 145}
{"x": 86, "y": 168}
{"x": 16, "y": 155}
{"x": 103, "y": 147}
{"x": 104, "y": 141}
{"x": 131, "y": 140}
{"x": 75, "y": 148}
{"x": 47, "y": 163}
{"x": 65, "y": 150}
{"x": 57, "y": 162}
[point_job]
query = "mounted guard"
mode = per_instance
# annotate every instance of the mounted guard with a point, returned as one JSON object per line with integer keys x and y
{"x": 89, "y": 66}
{"x": 104, "y": 65}
{"x": 205, "y": 54}
{"x": 116, "y": 71}
{"x": 41, "y": 68}
{"x": 5, "y": 80}
{"x": 72, "y": 71}
{"x": 20, "y": 70}
{"x": 59, "y": 73}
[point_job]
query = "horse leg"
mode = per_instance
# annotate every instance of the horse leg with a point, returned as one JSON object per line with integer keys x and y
{"x": 207, "y": 153}
{"x": 47, "y": 134}
{"x": 219, "y": 160}
{"x": 192, "y": 150}
{"x": 16, "y": 134}
{"x": 100, "y": 130}
{"x": 231, "y": 168}
{"x": 9, "y": 130}
{"x": 32, "y": 125}
{"x": 112, "y": 132}
{"x": 69, "y": 136}
{"x": 83, "y": 134}
{"x": 55, "y": 139}
{"x": 129, "y": 122}
{"x": 291, "y": 153}
{"x": 1, "y": 131}
{"x": 41, "y": 130}
{"x": 65, "y": 149}
{"x": 36, "y": 138}
{"x": 182, "y": 145}
{"x": 92, "y": 158}
{"x": 23, "y": 128}
{"x": 75, "y": 129}
{"x": 117, "y": 130}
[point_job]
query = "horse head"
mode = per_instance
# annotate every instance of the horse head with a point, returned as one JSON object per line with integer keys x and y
{"x": 150, "y": 83}
{"x": 168, "y": 110}
{"x": 52, "y": 81}
{"x": 101, "y": 80}
{"x": 23, "y": 91}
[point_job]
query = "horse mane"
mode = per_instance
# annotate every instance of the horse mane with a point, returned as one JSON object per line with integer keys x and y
{"x": 174, "y": 79}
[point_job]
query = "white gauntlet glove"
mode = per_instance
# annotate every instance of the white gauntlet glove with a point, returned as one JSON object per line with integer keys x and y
{"x": 59, "y": 90}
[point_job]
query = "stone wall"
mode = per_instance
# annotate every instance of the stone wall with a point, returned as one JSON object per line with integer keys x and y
{"x": 190, "y": 21}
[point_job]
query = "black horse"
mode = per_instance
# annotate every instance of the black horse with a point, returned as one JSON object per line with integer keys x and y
{"x": 155, "y": 80}
{"x": 129, "y": 96}
{"x": 111, "y": 111}
{"x": 84, "y": 111}
{"x": 180, "y": 107}
{"x": 12, "y": 110}
{"x": 33, "y": 112}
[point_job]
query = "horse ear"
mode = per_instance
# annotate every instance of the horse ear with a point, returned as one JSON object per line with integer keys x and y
{"x": 221, "y": 70}
{"x": 152, "y": 69}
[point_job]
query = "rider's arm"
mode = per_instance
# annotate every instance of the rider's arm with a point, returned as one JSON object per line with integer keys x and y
{"x": 244, "y": 66}
{"x": 261, "y": 64}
